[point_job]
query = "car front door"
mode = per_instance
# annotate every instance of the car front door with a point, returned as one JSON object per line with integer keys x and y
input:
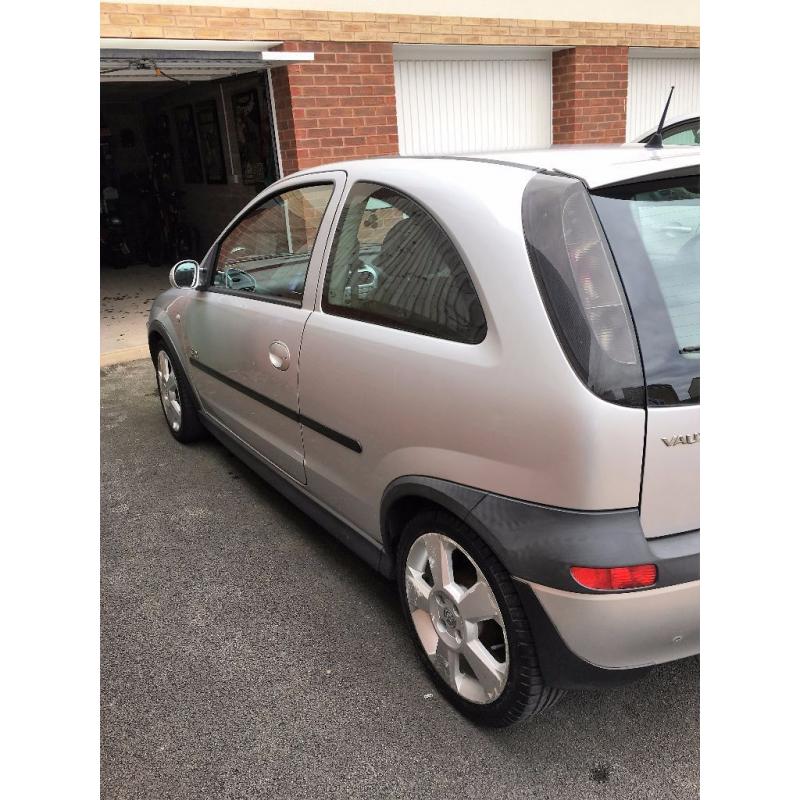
{"x": 242, "y": 332}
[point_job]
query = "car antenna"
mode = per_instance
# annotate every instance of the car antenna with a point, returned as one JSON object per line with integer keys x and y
{"x": 656, "y": 140}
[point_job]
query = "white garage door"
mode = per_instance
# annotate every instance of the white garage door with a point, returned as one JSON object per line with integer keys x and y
{"x": 461, "y": 99}
{"x": 651, "y": 71}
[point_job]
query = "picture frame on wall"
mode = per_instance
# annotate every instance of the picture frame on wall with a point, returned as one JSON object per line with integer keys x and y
{"x": 187, "y": 144}
{"x": 249, "y": 136}
{"x": 211, "y": 142}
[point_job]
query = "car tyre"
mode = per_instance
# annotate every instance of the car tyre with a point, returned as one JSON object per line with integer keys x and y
{"x": 176, "y": 396}
{"x": 492, "y": 678}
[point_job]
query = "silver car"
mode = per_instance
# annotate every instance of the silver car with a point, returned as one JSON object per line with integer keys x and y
{"x": 482, "y": 374}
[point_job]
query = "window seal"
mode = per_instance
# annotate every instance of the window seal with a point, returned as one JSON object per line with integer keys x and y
{"x": 263, "y": 298}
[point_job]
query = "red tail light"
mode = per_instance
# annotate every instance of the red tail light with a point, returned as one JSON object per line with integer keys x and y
{"x": 611, "y": 578}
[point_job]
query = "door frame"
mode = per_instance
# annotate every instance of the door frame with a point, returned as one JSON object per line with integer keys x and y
{"x": 336, "y": 180}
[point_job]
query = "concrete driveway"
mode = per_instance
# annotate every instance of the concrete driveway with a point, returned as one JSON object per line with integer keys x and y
{"x": 125, "y": 299}
{"x": 246, "y": 654}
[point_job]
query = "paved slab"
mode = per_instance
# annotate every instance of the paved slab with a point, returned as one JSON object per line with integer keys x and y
{"x": 246, "y": 654}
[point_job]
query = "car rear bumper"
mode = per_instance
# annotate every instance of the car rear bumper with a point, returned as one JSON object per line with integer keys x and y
{"x": 626, "y": 630}
{"x": 587, "y": 638}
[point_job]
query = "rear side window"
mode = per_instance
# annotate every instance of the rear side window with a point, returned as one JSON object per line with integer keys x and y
{"x": 393, "y": 265}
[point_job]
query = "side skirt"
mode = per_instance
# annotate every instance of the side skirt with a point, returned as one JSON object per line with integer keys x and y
{"x": 363, "y": 547}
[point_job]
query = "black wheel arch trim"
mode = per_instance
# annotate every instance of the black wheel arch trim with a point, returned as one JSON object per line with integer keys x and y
{"x": 158, "y": 328}
{"x": 453, "y": 497}
{"x": 540, "y": 543}
{"x": 522, "y": 532}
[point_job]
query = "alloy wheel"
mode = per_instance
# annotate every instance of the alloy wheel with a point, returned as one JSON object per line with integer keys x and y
{"x": 168, "y": 390}
{"x": 457, "y": 618}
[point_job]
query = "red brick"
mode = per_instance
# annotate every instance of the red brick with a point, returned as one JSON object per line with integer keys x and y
{"x": 341, "y": 106}
{"x": 589, "y": 94}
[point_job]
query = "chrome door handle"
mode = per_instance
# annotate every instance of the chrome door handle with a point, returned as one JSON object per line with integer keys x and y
{"x": 279, "y": 355}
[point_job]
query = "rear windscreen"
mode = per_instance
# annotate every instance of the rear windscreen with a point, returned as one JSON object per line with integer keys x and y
{"x": 653, "y": 230}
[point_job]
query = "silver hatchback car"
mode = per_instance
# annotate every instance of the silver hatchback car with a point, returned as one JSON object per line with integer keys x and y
{"x": 482, "y": 374}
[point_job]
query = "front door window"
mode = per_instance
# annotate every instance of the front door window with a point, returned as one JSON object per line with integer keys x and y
{"x": 267, "y": 253}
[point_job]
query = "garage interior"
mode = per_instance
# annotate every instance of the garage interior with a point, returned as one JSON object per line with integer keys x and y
{"x": 186, "y": 140}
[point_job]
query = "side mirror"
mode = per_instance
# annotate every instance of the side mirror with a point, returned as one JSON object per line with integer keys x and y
{"x": 184, "y": 274}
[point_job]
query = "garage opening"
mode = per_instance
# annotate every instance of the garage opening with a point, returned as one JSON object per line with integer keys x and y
{"x": 187, "y": 138}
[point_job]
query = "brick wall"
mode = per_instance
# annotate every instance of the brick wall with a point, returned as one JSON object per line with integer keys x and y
{"x": 170, "y": 21}
{"x": 590, "y": 86}
{"x": 340, "y": 106}
{"x": 343, "y": 104}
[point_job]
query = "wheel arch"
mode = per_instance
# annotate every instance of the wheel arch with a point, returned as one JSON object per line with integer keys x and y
{"x": 407, "y": 496}
{"x": 153, "y": 338}
{"x": 158, "y": 333}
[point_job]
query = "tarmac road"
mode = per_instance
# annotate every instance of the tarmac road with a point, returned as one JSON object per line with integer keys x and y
{"x": 247, "y": 654}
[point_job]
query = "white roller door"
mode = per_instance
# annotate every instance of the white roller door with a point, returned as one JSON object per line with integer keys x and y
{"x": 651, "y": 71}
{"x": 462, "y": 99}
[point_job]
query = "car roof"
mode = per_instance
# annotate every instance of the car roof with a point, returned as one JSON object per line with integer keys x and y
{"x": 596, "y": 165}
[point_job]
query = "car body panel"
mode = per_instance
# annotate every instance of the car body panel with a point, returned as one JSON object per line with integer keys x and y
{"x": 619, "y": 163}
{"x": 506, "y": 415}
{"x": 164, "y": 320}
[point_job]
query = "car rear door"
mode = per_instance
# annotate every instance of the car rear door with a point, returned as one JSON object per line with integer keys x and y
{"x": 243, "y": 331}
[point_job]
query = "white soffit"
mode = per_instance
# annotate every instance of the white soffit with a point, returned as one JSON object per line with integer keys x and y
{"x": 188, "y": 60}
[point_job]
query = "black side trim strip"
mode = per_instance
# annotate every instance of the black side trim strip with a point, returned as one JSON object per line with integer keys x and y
{"x": 330, "y": 433}
{"x": 246, "y": 390}
{"x": 335, "y": 436}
